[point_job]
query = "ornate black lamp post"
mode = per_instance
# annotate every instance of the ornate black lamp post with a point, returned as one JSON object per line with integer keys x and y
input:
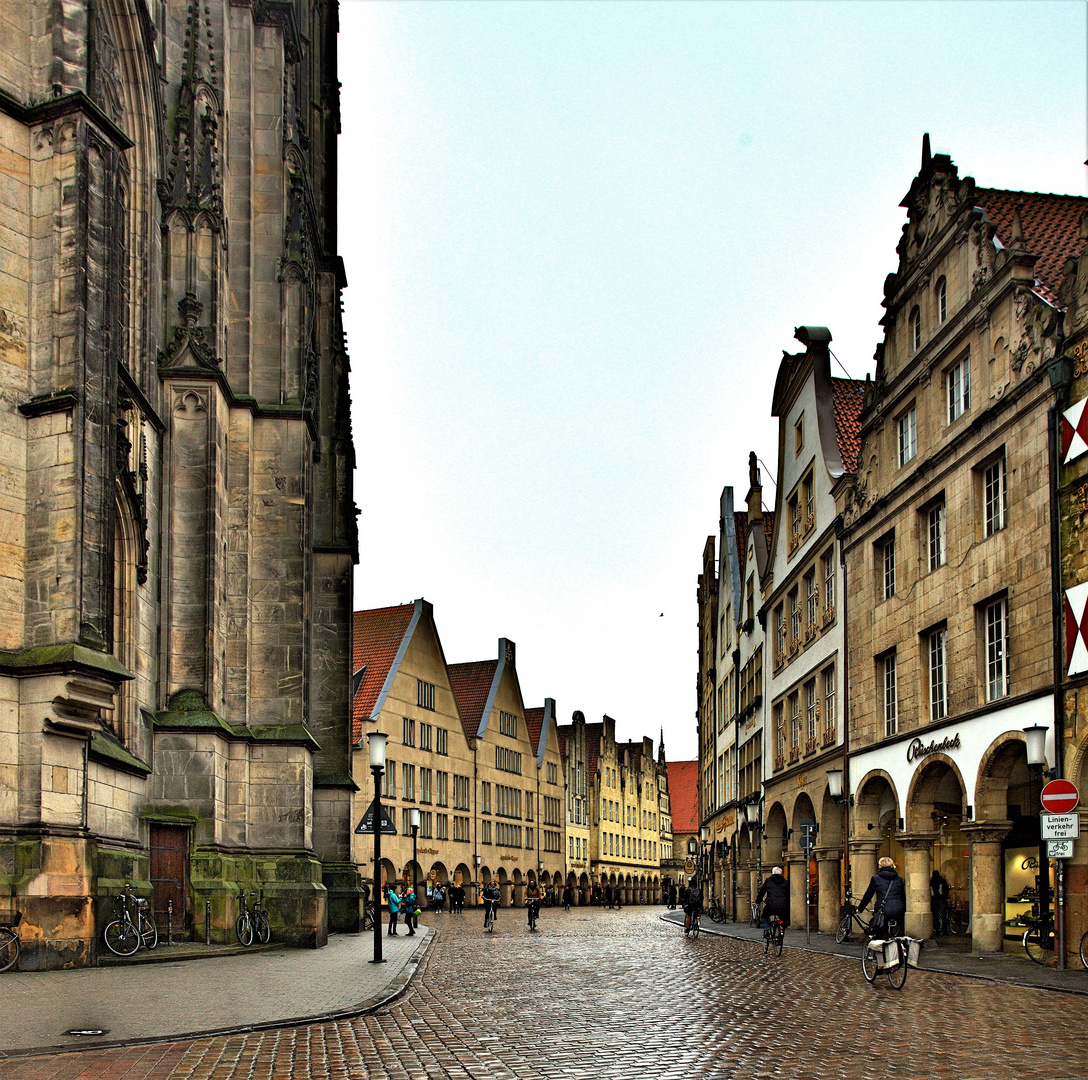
{"x": 377, "y": 767}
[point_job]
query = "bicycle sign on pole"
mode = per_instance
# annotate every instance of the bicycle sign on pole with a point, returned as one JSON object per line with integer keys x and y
{"x": 809, "y": 829}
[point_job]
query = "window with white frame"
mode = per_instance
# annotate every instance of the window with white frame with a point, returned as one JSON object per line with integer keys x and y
{"x": 426, "y": 732}
{"x": 442, "y": 788}
{"x": 829, "y": 700}
{"x": 891, "y": 700}
{"x": 993, "y": 497}
{"x": 935, "y": 535}
{"x": 907, "y": 427}
{"x": 508, "y": 724}
{"x": 997, "y": 649}
{"x": 795, "y": 617}
{"x": 811, "y": 596}
{"x": 389, "y": 780}
{"x": 887, "y": 553}
{"x": 940, "y": 294}
{"x": 938, "y": 674}
{"x": 485, "y": 797}
{"x": 958, "y": 383}
{"x": 779, "y": 732}
{"x": 812, "y": 712}
{"x": 915, "y": 330}
{"x": 795, "y": 721}
{"x": 426, "y": 777}
{"x": 829, "y": 579}
{"x": 408, "y": 782}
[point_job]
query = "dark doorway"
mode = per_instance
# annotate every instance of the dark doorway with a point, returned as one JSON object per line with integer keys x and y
{"x": 170, "y": 874}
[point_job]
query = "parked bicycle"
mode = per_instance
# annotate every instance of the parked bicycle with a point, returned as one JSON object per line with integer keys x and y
{"x": 889, "y": 954}
{"x": 9, "y": 941}
{"x": 755, "y": 918}
{"x": 848, "y": 915}
{"x": 252, "y": 925}
{"x": 133, "y": 926}
{"x": 774, "y": 935}
{"x": 959, "y": 914}
{"x": 370, "y": 913}
{"x": 1038, "y": 939}
{"x": 717, "y": 910}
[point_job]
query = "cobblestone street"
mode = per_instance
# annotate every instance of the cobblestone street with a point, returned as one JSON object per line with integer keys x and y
{"x": 624, "y": 994}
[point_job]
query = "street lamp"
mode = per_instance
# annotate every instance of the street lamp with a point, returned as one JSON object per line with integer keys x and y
{"x": 704, "y": 840}
{"x": 413, "y": 821}
{"x": 1035, "y": 740}
{"x": 834, "y": 788}
{"x": 377, "y": 767}
{"x": 753, "y": 812}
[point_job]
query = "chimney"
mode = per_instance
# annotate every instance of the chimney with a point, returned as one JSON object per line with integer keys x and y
{"x": 755, "y": 491}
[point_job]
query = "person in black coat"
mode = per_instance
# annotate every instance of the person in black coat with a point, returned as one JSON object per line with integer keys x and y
{"x": 890, "y": 892}
{"x": 938, "y": 902}
{"x": 776, "y": 891}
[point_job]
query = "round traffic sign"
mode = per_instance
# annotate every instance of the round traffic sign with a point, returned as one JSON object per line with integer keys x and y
{"x": 1059, "y": 797}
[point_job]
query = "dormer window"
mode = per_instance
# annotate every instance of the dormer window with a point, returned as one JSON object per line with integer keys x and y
{"x": 915, "y": 330}
{"x": 940, "y": 294}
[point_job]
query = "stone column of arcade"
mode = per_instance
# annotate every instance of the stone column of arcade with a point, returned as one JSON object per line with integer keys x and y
{"x": 798, "y": 889}
{"x": 918, "y": 848}
{"x": 987, "y": 884}
{"x": 863, "y": 865}
{"x": 828, "y": 869}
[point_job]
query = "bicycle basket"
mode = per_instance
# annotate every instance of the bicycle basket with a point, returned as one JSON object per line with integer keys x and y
{"x": 914, "y": 951}
{"x": 141, "y": 902}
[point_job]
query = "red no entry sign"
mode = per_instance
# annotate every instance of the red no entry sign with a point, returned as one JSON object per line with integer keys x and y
{"x": 1059, "y": 797}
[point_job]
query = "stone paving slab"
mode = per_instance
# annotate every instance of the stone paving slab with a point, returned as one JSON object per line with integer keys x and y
{"x": 185, "y": 999}
{"x": 998, "y": 967}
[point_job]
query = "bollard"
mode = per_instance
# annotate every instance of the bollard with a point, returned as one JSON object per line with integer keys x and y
{"x": 207, "y": 922}
{"x": 169, "y": 922}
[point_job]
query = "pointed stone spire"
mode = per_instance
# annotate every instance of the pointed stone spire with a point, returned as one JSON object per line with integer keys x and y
{"x": 926, "y": 155}
{"x": 1016, "y": 232}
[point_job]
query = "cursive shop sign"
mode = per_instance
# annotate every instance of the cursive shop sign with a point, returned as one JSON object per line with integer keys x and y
{"x": 919, "y": 749}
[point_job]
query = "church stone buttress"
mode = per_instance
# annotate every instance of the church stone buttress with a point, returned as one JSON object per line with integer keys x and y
{"x": 177, "y": 532}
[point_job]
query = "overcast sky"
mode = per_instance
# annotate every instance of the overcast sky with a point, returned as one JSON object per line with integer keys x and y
{"x": 578, "y": 237}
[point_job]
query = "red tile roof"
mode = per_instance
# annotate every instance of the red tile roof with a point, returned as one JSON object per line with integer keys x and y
{"x": 375, "y": 638}
{"x": 534, "y": 721}
{"x": 848, "y": 397}
{"x": 562, "y": 733}
{"x": 471, "y": 683}
{"x": 740, "y": 525}
{"x": 684, "y": 796}
{"x": 1051, "y": 226}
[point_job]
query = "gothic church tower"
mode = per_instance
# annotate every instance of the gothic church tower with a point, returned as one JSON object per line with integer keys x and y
{"x": 177, "y": 529}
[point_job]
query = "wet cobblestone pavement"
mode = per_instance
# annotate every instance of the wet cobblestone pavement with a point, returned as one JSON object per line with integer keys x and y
{"x": 625, "y": 995}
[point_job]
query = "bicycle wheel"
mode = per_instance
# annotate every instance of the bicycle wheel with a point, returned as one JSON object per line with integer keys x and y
{"x": 717, "y": 914}
{"x": 766, "y": 941}
{"x": 843, "y": 931}
{"x": 694, "y": 926}
{"x": 1084, "y": 950}
{"x": 1039, "y": 944}
{"x": 868, "y": 962}
{"x": 9, "y": 947}
{"x": 368, "y": 917}
{"x": 779, "y": 937}
{"x": 261, "y": 928}
{"x": 121, "y": 937}
{"x": 149, "y": 932}
{"x": 955, "y": 922}
{"x": 897, "y": 975}
{"x": 243, "y": 927}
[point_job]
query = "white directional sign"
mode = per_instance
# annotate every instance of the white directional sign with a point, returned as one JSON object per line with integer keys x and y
{"x": 1059, "y": 826}
{"x": 1059, "y": 849}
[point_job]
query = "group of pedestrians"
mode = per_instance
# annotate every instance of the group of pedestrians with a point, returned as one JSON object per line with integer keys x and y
{"x": 401, "y": 901}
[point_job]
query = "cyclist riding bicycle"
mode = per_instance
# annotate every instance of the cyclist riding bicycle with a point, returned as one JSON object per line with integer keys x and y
{"x": 533, "y": 896}
{"x": 693, "y": 905}
{"x": 890, "y": 892}
{"x": 776, "y": 891}
{"x": 490, "y": 897}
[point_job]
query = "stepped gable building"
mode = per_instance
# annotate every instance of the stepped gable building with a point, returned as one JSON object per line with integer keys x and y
{"x": 579, "y": 744}
{"x": 175, "y": 488}
{"x": 818, "y": 429}
{"x": 948, "y": 551}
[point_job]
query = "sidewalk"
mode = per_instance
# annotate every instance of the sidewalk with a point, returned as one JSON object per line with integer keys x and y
{"x": 213, "y": 995}
{"x": 997, "y": 967}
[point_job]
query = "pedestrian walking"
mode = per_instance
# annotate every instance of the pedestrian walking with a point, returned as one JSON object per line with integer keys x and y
{"x": 411, "y": 910}
{"x": 568, "y": 897}
{"x": 672, "y": 895}
{"x": 457, "y": 900}
{"x": 608, "y": 896}
{"x": 438, "y": 898}
{"x": 938, "y": 902}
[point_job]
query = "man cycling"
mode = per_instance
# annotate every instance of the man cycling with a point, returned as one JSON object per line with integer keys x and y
{"x": 490, "y": 897}
{"x": 776, "y": 889}
{"x": 693, "y": 905}
{"x": 533, "y": 896}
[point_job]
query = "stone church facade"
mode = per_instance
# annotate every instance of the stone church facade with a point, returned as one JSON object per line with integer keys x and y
{"x": 177, "y": 530}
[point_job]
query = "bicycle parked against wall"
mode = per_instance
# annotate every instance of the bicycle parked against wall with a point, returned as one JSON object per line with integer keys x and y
{"x": 848, "y": 915}
{"x": 9, "y": 941}
{"x": 774, "y": 935}
{"x": 1038, "y": 939}
{"x": 959, "y": 914}
{"x": 370, "y": 913}
{"x": 252, "y": 925}
{"x": 888, "y": 954}
{"x": 717, "y": 911}
{"x": 133, "y": 926}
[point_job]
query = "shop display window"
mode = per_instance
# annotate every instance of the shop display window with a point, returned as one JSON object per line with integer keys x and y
{"x": 1022, "y": 888}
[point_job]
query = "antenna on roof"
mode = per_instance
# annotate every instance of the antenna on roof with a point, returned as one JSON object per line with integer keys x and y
{"x": 840, "y": 363}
